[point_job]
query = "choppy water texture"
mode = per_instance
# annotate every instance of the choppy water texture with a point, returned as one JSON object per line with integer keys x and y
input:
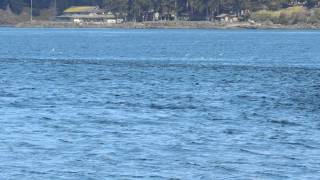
{"x": 159, "y": 104}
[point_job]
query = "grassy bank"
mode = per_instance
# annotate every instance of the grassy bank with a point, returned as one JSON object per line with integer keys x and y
{"x": 7, "y": 17}
{"x": 289, "y": 16}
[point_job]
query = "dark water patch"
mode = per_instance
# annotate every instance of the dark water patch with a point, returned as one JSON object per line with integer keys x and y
{"x": 172, "y": 107}
{"x": 232, "y": 131}
{"x": 160, "y": 63}
{"x": 273, "y": 175}
{"x": 284, "y": 123}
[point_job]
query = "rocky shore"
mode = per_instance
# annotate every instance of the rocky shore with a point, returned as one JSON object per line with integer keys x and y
{"x": 167, "y": 25}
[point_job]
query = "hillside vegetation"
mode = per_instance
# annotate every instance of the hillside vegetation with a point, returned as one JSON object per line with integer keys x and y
{"x": 273, "y": 11}
{"x": 289, "y": 16}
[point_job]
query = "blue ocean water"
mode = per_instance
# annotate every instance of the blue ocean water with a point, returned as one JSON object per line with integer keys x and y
{"x": 159, "y": 104}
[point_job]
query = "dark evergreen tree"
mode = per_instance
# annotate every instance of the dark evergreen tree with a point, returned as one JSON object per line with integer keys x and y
{"x": 140, "y": 10}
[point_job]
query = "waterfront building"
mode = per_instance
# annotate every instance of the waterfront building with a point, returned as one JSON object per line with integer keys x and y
{"x": 88, "y": 14}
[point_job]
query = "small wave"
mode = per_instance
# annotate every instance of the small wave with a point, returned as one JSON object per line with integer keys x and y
{"x": 254, "y": 152}
{"x": 300, "y": 144}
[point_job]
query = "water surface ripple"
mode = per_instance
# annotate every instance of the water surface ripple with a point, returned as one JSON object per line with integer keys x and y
{"x": 159, "y": 104}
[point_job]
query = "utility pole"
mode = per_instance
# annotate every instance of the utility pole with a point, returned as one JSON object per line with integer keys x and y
{"x": 55, "y": 9}
{"x": 175, "y": 10}
{"x": 31, "y": 7}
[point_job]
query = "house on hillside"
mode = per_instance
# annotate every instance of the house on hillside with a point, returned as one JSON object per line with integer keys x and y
{"x": 88, "y": 14}
{"x": 297, "y": 3}
{"x": 228, "y": 18}
{"x": 184, "y": 17}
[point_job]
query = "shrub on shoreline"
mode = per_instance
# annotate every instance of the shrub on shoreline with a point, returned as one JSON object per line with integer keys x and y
{"x": 288, "y": 16}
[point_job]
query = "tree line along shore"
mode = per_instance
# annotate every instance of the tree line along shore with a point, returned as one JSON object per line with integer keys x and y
{"x": 171, "y": 13}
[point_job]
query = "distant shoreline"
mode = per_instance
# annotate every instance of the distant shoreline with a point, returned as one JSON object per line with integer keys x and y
{"x": 166, "y": 25}
{"x": 6, "y": 25}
